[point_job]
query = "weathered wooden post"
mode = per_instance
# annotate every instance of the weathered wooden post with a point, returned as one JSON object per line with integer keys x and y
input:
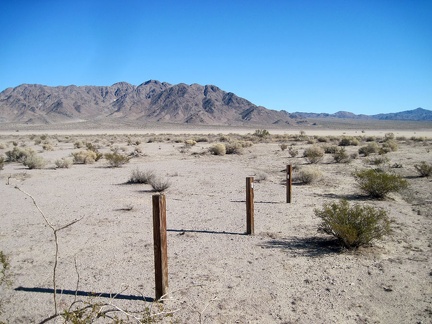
{"x": 249, "y": 206}
{"x": 288, "y": 182}
{"x": 160, "y": 245}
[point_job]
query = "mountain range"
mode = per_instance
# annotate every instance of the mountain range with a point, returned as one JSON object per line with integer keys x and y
{"x": 154, "y": 101}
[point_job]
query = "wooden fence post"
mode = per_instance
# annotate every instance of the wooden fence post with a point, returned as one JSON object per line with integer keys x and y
{"x": 160, "y": 245}
{"x": 249, "y": 206}
{"x": 288, "y": 183}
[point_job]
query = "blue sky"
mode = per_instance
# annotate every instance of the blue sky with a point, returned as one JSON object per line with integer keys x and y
{"x": 297, "y": 55}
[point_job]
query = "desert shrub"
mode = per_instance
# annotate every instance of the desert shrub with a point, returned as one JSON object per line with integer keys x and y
{"x": 369, "y": 149}
{"x": 218, "y": 149}
{"x": 424, "y": 169}
{"x": 34, "y": 161}
{"x": 78, "y": 144}
{"x": 233, "y": 148}
{"x": 116, "y": 159}
{"x": 377, "y": 183}
{"x": 190, "y": 142}
{"x": 378, "y": 160}
{"x": 322, "y": 139}
{"x": 391, "y": 144}
{"x": 261, "y": 133}
{"x": 63, "y": 163}
{"x": 354, "y": 155}
{"x": 330, "y": 149}
{"x": 18, "y": 154}
{"x": 158, "y": 184}
{"x": 47, "y": 147}
{"x": 202, "y": 139}
{"x": 341, "y": 156}
{"x": 314, "y": 154}
{"x": 346, "y": 141}
{"x": 283, "y": 146}
{"x": 84, "y": 157}
{"x": 293, "y": 152}
{"x": 389, "y": 136}
{"x": 2, "y": 162}
{"x": 139, "y": 176}
{"x": 353, "y": 226}
{"x": 4, "y": 269}
{"x": 3, "y": 146}
{"x": 307, "y": 175}
{"x": 370, "y": 139}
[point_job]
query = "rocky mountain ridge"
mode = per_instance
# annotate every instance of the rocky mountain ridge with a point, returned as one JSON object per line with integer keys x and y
{"x": 151, "y": 101}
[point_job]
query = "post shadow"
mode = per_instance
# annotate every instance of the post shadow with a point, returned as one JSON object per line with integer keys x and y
{"x": 84, "y": 293}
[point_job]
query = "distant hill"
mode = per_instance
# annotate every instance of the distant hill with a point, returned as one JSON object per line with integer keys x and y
{"x": 151, "y": 101}
{"x": 418, "y": 114}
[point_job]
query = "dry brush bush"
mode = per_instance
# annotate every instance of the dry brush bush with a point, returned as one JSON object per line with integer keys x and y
{"x": 158, "y": 184}
{"x": 369, "y": 149}
{"x": 63, "y": 163}
{"x": 2, "y": 162}
{"x": 141, "y": 177}
{"x": 261, "y": 133}
{"x": 424, "y": 169}
{"x": 218, "y": 149}
{"x": 313, "y": 154}
{"x": 84, "y": 157}
{"x": 378, "y": 184}
{"x": 116, "y": 160}
{"x": 5, "y": 276}
{"x": 34, "y": 161}
{"x": 307, "y": 175}
{"x": 353, "y": 226}
{"x": 293, "y": 152}
{"x": 341, "y": 156}
{"x": 18, "y": 154}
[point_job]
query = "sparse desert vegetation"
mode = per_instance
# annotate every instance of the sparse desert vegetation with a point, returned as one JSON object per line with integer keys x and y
{"x": 105, "y": 265}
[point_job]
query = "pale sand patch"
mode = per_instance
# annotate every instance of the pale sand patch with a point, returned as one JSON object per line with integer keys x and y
{"x": 285, "y": 273}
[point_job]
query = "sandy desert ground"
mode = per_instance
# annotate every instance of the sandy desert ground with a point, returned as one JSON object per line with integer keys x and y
{"x": 286, "y": 273}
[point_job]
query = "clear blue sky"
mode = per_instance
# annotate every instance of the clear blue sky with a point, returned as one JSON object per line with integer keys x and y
{"x": 297, "y": 55}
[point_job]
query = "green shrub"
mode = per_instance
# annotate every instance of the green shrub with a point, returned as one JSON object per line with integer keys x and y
{"x": 34, "y": 161}
{"x": 139, "y": 176}
{"x": 218, "y": 149}
{"x": 64, "y": 163}
{"x": 314, "y": 154}
{"x": 378, "y": 184}
{"x": 307, "y": 175}
{"x": 424, "y": 169}
{"x": 353, "y": 226}
{"x": 116, "y": 159}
